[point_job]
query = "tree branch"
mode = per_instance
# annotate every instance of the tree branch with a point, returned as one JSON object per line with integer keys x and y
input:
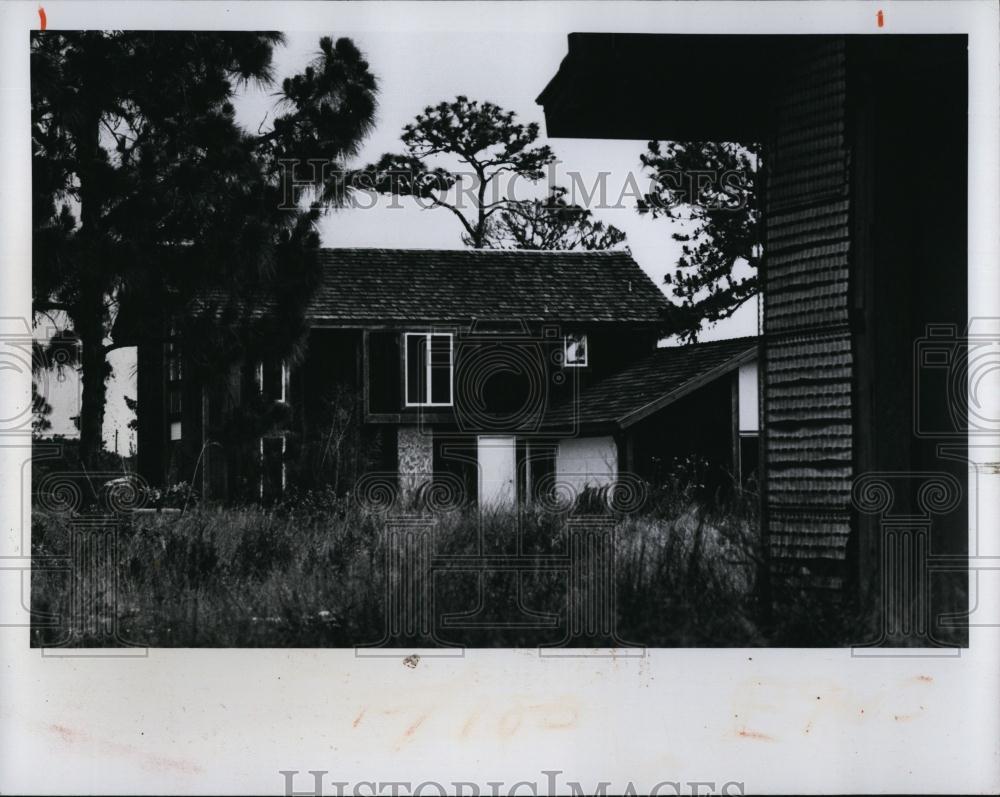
{"x": 468, "y": 227}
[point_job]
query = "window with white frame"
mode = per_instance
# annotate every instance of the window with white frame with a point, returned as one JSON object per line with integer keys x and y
{"x": 428, "y": 367}
{"x": 272, "y": 379}
{"x": 175, "y": 376}
{"x": 272, "y": 384}
{"x": 575, "y": 351}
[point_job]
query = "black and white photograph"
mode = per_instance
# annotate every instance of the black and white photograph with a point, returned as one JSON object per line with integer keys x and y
{"x": 597, "y": 341}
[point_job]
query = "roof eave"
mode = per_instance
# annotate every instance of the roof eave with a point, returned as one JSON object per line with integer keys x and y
{"x": 603, "y": 87}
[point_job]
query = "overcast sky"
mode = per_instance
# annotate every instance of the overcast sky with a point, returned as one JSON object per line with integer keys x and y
{"x": 415, "y": 71}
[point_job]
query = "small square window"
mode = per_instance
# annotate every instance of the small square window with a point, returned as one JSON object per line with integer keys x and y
{"x": 175, "y": 430}
{"x": 575, "y": 351}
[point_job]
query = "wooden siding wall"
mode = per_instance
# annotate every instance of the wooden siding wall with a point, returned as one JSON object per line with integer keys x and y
{"x": 485, "y": 378}
{"x": 807, "y": 343}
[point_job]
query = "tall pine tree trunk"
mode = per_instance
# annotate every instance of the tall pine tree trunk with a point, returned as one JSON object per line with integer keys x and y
{"x": 90, "y": 328}
{"x": 90, "y": 310}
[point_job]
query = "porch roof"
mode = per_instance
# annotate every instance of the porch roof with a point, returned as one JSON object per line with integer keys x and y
{"x": 654, "y": 382}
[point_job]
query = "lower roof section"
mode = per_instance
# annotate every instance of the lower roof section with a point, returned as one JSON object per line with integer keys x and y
{"x": 653, "y": 383}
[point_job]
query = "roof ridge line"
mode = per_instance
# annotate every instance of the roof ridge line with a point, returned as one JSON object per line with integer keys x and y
{"x": 746, "y": 338}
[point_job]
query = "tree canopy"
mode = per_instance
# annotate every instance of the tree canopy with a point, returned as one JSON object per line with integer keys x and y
{"x": 468, "y": 157}
{"x": 710, "y": 188}
{"x": 146, "y": 189}
{"x": 550, "y": 223}
{"x": 465, "y": 156}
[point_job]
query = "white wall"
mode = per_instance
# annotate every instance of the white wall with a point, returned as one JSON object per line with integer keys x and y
{"x": 748, "y": 397}
{"x": 497, "y": 471}
{"x": 587, "y": 460}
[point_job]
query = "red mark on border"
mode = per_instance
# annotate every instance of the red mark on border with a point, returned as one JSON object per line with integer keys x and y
{"x": 880, "y": 18}
{"x": 748, "y": 734}
{"x": 41, "y": 17}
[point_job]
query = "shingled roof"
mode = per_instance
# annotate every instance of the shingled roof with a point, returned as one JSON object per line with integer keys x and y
{"x": 654, "y": 382}
{"x": 465, "y": 284}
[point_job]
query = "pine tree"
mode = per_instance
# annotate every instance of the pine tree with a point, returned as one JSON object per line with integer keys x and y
{"x": 550, "y": 223}
{"x": 494, "y": 150}
{"x": 710, "y": 188}
{"x": 146, "y": 190}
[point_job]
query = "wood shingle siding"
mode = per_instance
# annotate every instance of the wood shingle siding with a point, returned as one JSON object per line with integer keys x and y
{"x": 808, "y": 361}
{"x": 865, "y": 216}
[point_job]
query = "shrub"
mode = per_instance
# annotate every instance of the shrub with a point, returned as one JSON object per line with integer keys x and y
{"x": 312, "y": 571}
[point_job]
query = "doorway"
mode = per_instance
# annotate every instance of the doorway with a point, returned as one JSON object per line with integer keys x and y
{"x": 497, "y": 469}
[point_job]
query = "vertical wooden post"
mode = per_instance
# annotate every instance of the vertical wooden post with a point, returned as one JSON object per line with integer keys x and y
{"x": 735, "y": 427}
{"x": 206, "y": 453}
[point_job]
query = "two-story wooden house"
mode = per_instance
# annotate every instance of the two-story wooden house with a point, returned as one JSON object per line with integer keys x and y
{"x": 495, "y": 374}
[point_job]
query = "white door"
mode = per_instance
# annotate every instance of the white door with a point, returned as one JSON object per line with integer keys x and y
{"x": 497, "y": 466}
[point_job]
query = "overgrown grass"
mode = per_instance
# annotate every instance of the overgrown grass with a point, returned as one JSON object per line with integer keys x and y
{"x": 314, "y": 572}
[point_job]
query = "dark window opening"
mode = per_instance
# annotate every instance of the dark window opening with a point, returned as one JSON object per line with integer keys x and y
{"x": 749, "y": 455}
{"x": 272, "y": 468}
{"x": 272, "y": 378}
